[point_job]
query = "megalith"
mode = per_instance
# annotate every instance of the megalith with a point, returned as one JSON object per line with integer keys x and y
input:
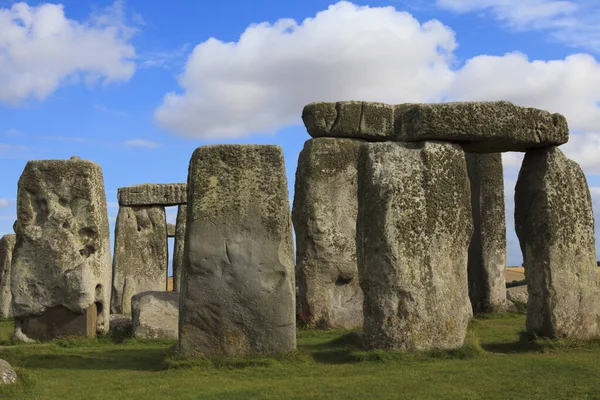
{"x": 413, "y": 232}
{"x": 141, "y": 254}
{"x": 487, "y": 251}
{"x": 238, "y": 292}
{"x": 554, "y": 222}
{"x": 61, "y": 273}
{"x": 324, "y": 217}
{"x": 178, "y": 246}
{"x": 480, "y": 127}
{"x": 7, "y": 245}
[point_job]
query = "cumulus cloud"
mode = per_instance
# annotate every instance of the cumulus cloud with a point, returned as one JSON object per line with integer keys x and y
{"x": 40, "y": 48}
{"x": 261, "y": 82}
{"x": 141, "y": 143}
{"x": 570, "y": 86}
{"x": 574, "y": 23}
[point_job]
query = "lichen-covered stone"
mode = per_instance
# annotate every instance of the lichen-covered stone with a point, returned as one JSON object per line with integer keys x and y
{"x": 482, "y": 127}
{"x": 151, "y": 194}
{"x": 349, "y": 119}
{"x": 487, "y": 251}
{"x": 324, "y": 216}
{"x": 517, "y": 293}
{"x": 141, "y": 254}
{"x": 7, "y": 245}
{"x": 155, "y": 315}
{"x": 554, "y": 221}
{"x": 237, "y": 291}
{"x": 62, "y": 251}
{"x": 8, "y": 375}
{"x": 171, "y": 230}
{"x": 178, "y": 246}
{"x": 413, "y": 232}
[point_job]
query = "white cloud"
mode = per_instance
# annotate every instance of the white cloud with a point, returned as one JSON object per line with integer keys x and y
{"x": 261, "y": 82}
{"x": 141, "y": 143}
{"x": 4, "y": 203}
{"x": 570, "y": 86}
{"x": 572, "y": 22}
{"x": 40, "y": 48}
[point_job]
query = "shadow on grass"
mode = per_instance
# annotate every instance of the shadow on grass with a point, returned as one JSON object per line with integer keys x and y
{"x": 139, "y": 359}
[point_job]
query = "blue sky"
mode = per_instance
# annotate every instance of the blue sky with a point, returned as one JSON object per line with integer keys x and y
{"x": 137, "y": 85}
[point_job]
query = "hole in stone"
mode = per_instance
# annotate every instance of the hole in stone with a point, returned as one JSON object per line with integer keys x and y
{"x": 63, "y": 202}
{"x": 89, "y": 232}
{"x": 341, "y": 281}
{"x": 87, "y": 251}
{"x": 66, "y": 225}
{"x": 98, "y": 290}
{"x": 99, "y": 306}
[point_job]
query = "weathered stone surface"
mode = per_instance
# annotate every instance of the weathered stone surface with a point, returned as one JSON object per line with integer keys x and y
{"x": 237, "y": 290}
{"x": 151, "y": 194}
{"x": 178, "y": 246}
{"x": 350, "y": 119}
{"x": 120, "y": 324}
{"x": 155, "y": 315}
{"x": 62, "y": 251}
{"x": 141, "y": 254}
{"x": 517, "y": 293}
{"x": 171, "y": 230}
{"x": 511, "y": 307}
{"x": 555, "y": 225}
{"x": 7, "y": 245}
{"x": 482, "y": 127}
{"x": 487, "y": 251}
{"x": 8, "y": 375}
{"x": 413, "y": 232}
{"x": 324, "y": 216}
{"x": 60, "y": 322}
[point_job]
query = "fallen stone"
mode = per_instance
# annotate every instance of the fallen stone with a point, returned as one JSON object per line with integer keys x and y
{"x": 238, "y": 293}
{"x": 7, "y": 245}
{"x": 324, "y": 216}
{"x": 62, "y": 251}
{"x": 517, "y": 293}
{"x": 178, "y": 246}
{"x": 141, "y": 254}
{"x": 413, "y": 232}
{"x": 155, "y": 315}
{"x": 487, "y": 251}
{"x": 481, "y": 127}
{"x": 120, "y": 324}
{"x": 554, "y": 221}
{"x": 8, "y": 376}
{"x": 511, "y": 307}
{"x": 171, "y": 230}
{"x": 151, "y": 194}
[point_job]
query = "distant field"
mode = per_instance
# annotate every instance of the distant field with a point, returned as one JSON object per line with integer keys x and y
{"x": 518, "y": 274}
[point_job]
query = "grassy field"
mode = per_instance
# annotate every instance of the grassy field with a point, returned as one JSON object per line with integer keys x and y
{"x": 497, "y": 363}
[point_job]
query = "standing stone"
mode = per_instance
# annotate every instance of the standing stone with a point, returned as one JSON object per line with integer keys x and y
{"x": 487, "y": 252}
{"x": 413, "y": 232}
{"x": 7, "y": 245}
{"x": 61, "y": 261}
{"x": 238, "y": 289}
{"x": 554, "y": 221}
{"x": 178, "y": 246}
{"x": 324, "y": 215}
{"x": 141, "y": 254}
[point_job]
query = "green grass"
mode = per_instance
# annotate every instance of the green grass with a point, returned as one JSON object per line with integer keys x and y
{"x": 497, "y": 362}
